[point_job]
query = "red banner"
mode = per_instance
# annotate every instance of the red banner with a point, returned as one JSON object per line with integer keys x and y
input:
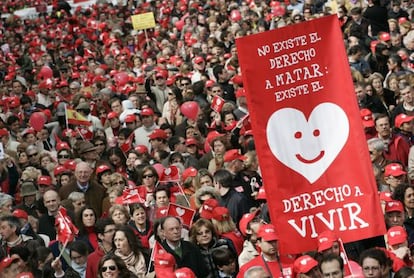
{"x": 307, "y": 129}
{"x": 185, "y": 214}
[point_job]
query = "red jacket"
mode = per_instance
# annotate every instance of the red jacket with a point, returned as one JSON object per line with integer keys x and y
{"x": 92, "y": 263}
{"x": 273, "y": 266}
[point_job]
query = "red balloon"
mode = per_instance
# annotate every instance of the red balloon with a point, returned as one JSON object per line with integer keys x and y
{"x": 179, "y": 25}
{"x": 190, "y": 109}
{"x": 278, "y": 11}
{"x": 235, "y": 15}
{"x": 37, "y": 121}
{"x": 121, "y": 78}
{"x": 46, "y": 72}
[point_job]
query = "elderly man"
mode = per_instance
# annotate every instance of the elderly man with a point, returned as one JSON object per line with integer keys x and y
{"x": 94, "y": 192}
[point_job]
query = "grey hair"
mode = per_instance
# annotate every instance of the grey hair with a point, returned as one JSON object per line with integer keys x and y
{"x": 4, "y": 198}
{"x": 255, "y": 272}
{"x": 75, "y": 196}
{"x": 377, "y": 144}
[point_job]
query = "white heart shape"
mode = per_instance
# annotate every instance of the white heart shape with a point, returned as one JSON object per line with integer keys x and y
{"x": 167, "y": 171}
{"x": 304, "y": 262}
{"x": 308, "y": 146}
{"x": 180, "y": 211}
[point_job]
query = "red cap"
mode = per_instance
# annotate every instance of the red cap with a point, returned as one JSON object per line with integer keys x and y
{"x": 161, "y": 74}
{"x": 147, "y": 112}
{"x": 189, "y": 172}
{"x": 325, "y": 240}
{"x": 232, "y": 155}
{"x": 184, "y": 272}
{"x": 25, "y": 275}
{"x": 221, "y": 214}
{"x": 19, "y": 213}
{"x": 396, "y": 235}
{"x": 261, "y": 195}
{"x": 191, "y": 141}
{"x": 164, "y": 263}
{"x": 401, "y": 119}
{"x": 44, "y": 180}
{"x": 70, "y": 165}
{"x": 304, "y": 264}
{"x": 6, "y": 262}
{"x": 4, "y": 132}
{"x": 386, "y": 196}
{"x": 245, "y": 220}
{"x": 237, "y": 79}
{"x": 62, "y": 146}
{"x": 267, "y": 232}
{"x": 394, "y": 206}
{"x": 394, "y": 169}
{"x": 241, "y": 92}
{"x": 130, "y": 118}
{"x": 112, "y": 115}
{"x": 385, "y": 37}
{"x": 158, "y": 133}
{"x": 209, "y": 83}
{"x": 367, "y": 119}
{"x": 141, "y": 149}
{"x": 14, "y": 102}
{"x": 198, "y": 60}
{"x": 207, "y": 208}
{"x": 59, "y": 170}
{"x": 212, "y": 135}
{"x": 102, "y": 168}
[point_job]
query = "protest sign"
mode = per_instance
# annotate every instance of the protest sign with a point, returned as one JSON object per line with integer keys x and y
{"x": 308, "y": 134}
{"x": 143, "y": 21}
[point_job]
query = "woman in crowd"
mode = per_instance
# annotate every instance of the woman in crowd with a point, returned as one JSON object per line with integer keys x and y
{"x": 119, "y": 214}
{"x": 117, "y": 160}
{"x": 140, "y": 223}
{"x": 148, "y": 182}
{"x": 129, "y": 249}
{"x": 112, "y": 266}
{"x": 86, "y": 224}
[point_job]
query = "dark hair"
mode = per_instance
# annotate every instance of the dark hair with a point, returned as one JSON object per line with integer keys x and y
{"x": 132, "y": 239}
{"x": 380, "y": 116}
{"x": 126, "y": 132}
{"x": 404, "y": 272}
{"x": 222, "y": 256}
{"x": 374, "y": 253}
{"x": 11, "y": 119}
{"x": 101, "y": 224}
{"x": 13, "y": 222}
{"x": 331, "y": 257}
{"x": 80, "y": 247}
{"x": 174, "y": 141}
{"x": 153, "y": 171}
{"x": 79, "y": 222}
{"x": 223, "y": 177}
{"x": 162, "y": 188}
{"x": 120, "y": 264}
{"x": 399, "y": 192}
{"x": 119, "y": 153}
{"x": 136, "y": 206}
{"x": 39, "y": 254}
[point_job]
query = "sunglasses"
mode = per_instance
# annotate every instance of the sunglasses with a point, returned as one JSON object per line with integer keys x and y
{"x": 100, "y": 144}
{"x": 32, "y": 155}
{"x": 148, "y": 176}
{"x": 63, "y": 156}
{"x": 111, "y": 267}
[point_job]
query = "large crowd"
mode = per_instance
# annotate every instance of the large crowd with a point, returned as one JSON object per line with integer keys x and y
{"x": 129, "y": 153}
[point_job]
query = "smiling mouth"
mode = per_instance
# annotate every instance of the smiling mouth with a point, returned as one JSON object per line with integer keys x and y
{"x": 309, "y": 161}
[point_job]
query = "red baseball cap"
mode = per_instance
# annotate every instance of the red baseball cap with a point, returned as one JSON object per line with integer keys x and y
{"x": 44, "y": 180}
{"x": 147, "y": 112}
{"x": 198, "y": 60}
{"x": 141, "y": 149}
{"x": 6, "y": 262}
{"x": 245, "y": 220}
{"x": 158, "y": 134}
{"x": 396, "y": 235}
{"x": 232, "y": 155}
{"x": 208, "y": 207}
{"x": 184, "y": 272}
{"x": 189, "y": 172}
{"x": 191, "y": 141}
{"x": 394, "y": 206}
{"x": 112, "y": 115}
{"x": 261, "y": 195}
{"x": 130, "y": 118}
{"x": 62, "y": 146}
{"x": 19, "y": 213}
{"x": 394, "y": 169}
{"x": 401, "y": 119}
{"x": 326, "y": 240}
{"x": 367, "y": 119}
{"x": 221, "y": 214}
{"x": 102, "y": 168}
{"x": 304, "y": 264}
{"x": 4, "y": 132}
{"x": 267, "y": 232}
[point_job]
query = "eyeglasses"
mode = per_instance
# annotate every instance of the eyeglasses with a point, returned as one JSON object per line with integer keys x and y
{"x": 32, "y": 155}
{"x": 63, "y": 156}
{"x": 111, "y": 267}
{"x": 147, "y": 176}
{"x": 109, "y": 231}
{"x": 118, "y": 183}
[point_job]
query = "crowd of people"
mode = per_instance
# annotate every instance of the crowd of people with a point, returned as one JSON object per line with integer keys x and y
{"x": 116, "y": 134}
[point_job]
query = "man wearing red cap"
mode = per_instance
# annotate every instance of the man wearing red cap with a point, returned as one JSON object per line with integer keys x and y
{"x": 306, "y": 267}
{"x": 394, "y": 175}
{"x": 249, "y": 226}
{"x": 404, "y": 126}
{"x": 397, "y": 241}
{"x": 394, "y": 214}
{"x": 269, "y": 257}
{"x": 148, "y": 126}
{"x": 159, "y": 92}
{"x": 158, "y": 141}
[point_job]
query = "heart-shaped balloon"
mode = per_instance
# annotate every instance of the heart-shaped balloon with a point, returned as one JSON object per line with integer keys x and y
{"x": 190, "y": 109}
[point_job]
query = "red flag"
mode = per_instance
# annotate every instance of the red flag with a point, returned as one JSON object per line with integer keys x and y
{"x": 185, "y": 214}
{"x": 170, "y": 174}
{"x": 131, "y": 196}
{"x": 127, "y": 146}
{"x": 307, "y": 130}
{"x": 73, "y": 117}
{"x": 217, "y": 103}
{"x": 66, "y": 231}
{"x": 85, "y": 133}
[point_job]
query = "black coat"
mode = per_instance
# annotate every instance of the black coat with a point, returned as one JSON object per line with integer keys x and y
{"x": 191, "y": 258}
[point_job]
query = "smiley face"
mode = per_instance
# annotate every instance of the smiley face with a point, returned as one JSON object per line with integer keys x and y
{"x": 308, "y": 146}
